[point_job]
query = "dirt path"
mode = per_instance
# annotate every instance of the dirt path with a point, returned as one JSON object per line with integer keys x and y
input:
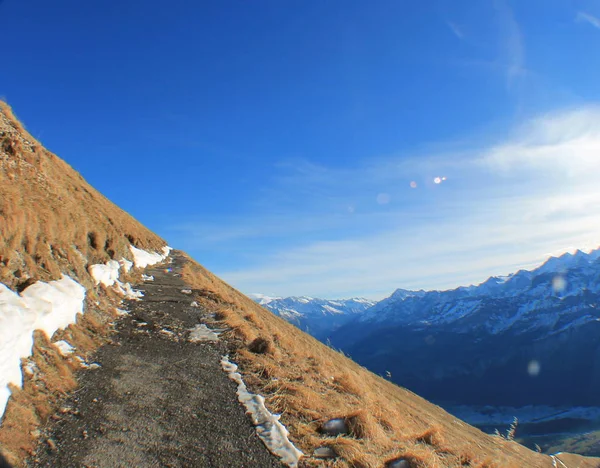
{"x": 158, "y": 400}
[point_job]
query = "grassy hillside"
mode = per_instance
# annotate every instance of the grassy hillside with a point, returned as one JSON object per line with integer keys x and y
{"x": 310, "y": 383}
{"x": 53, "y": 222}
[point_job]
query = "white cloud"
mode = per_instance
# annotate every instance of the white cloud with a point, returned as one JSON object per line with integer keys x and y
{"x": 505, "y": 206}
{"x": 567, "y": 143}
{"x": 439, "y": 254}
{"x": 584, "y": 17}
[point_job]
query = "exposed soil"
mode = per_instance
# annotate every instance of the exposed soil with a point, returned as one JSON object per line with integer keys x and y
{"x": 158, "y": 400}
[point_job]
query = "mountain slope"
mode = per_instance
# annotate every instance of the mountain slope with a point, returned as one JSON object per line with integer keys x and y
{"x": 317, "y": 317}
{"x": 52, "y": 223}
{"x": 529, "y": 338}
{"x": 59, "y": 225}
{"x": 133, "y": 408}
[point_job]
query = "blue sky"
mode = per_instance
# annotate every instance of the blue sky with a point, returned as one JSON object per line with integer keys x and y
{"x": 293, "y": 147}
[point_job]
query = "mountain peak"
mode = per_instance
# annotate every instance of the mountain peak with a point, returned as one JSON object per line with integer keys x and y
{"x": 314, "y": 315}
{"x": 263, "y": 299}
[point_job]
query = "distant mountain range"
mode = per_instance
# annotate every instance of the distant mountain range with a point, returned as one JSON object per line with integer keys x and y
{"x": 318, "y": 317}
{"x": 529, "y": 338}
{"x": 532, "y": 337}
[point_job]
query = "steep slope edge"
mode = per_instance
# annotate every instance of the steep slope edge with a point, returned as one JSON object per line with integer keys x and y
{"x": 52, "y": 223}
{"x": 310, "y": 384}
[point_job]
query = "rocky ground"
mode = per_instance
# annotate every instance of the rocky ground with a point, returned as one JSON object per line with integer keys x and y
{"x": 157, "y": 399}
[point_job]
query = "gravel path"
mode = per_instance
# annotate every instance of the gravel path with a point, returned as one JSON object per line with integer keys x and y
{"x": 158, "y": 400}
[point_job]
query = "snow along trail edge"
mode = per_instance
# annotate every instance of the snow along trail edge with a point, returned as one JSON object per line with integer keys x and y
{"x": 160, "y": 396}
{"x": 269, "y": 429}
{"x": 51, "y": 306}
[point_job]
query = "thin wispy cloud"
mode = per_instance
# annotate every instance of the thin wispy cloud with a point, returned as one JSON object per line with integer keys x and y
{"x": 497, "y": 208}
{"x": 512, "y": 45}
{"x": 583, "y": 17}
{"x": 456, "y": 30}
{"x": 498, "y": 48}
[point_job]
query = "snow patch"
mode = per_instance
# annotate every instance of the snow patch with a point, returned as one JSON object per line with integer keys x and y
{"x": 105, "y": 274}
{"x": 64, "y": 348}
{"x": 164, "y": 331}
{"x": 203, "y": 333}
{"x": 108, "y": 275}
{"x": 332, "y": 310}
{"x": 273, "y": 434}
{"x": 127, "y": 291}
{"x": 126, "y": 265}
{"x": 85, "y": 365}
{"x": 42, "y": 306}
{"x": 142, "y": 258}
{"x": 30, "y": 368}
{"x": 147, "y": 278}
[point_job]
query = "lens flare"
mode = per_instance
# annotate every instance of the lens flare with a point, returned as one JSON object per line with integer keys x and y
{"x": 383, "y": 198}
{"x": 533, "y": 368}
{"x": 430, "y": 340}
{"x": 559, "y": 283}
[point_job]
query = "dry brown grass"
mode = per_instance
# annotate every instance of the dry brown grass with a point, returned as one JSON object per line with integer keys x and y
{"x": 51, "y": 223}
{"x": 309, "y": 383}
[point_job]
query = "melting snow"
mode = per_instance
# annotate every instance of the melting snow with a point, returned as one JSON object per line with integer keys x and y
{"x": 42, "y": 306}
{"x": 203, "y": 333}
{"x": 126, "y": 265}
{"x": 269, "y": 429}
{"x": 126, "y": 290}
{"x": 30, "y": 368}
{"x": 64, "y": 348}
{"x": 50, "y": 307}
{"x": 142, "y": 259}
{"x": 85, "y": 365}
{"x": 108, "y": 273}
{"x": 105, "y": 274}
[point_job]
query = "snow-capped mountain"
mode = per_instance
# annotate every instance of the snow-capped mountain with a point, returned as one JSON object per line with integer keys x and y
{"x": 319, "y": 317}
{"x": 530, "y": 335}
{"x": 540, "y": 298}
